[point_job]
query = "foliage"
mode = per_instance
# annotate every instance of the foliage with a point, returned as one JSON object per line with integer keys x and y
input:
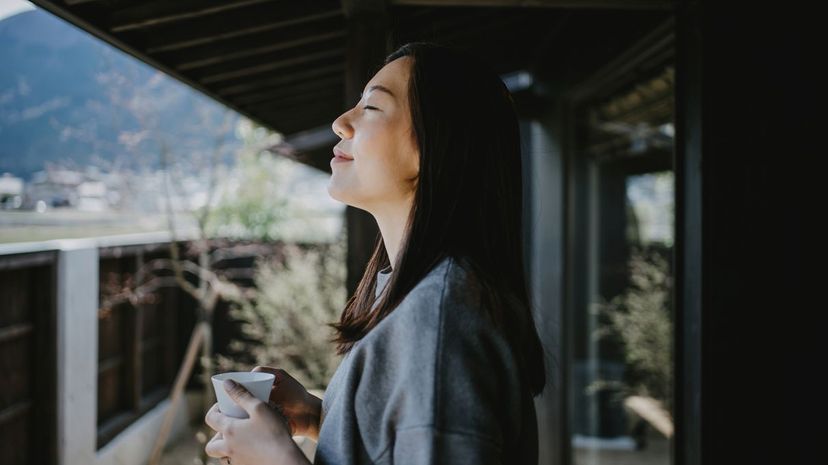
{"x": 253, "y": 203}
{"x": 283, "y": 326}
{"x": 640, "y": 317}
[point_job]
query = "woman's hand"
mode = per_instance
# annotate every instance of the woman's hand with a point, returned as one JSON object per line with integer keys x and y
{"x": 301, "y": 408}
{"x": 263, "y": 438}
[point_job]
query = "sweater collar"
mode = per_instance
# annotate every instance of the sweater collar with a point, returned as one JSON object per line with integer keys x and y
{"x": 382, "y": 278}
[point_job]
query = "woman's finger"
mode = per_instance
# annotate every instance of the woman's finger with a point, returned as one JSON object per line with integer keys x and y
{"x": 217, "y": 447}
{"x": 241, "y": 396}
{"x": 277, "y": 372}
{"x": 216, "y": 420}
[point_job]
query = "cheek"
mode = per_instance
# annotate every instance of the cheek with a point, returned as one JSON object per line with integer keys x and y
{"x": 382, "y": 177}
{"x": 410, "y": 166}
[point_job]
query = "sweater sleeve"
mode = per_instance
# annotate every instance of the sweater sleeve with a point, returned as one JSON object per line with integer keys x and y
{"x": 427, "y": 445}
{"x": 439, "y": 384}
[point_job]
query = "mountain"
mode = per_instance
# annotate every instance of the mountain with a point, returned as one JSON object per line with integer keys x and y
{"x": 58, "y": 88}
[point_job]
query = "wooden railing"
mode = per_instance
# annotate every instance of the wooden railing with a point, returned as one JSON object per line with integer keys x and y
{"x": 27, "y": 358}
{"x": 75, "y": 376}
{"x": 139, "y": 346}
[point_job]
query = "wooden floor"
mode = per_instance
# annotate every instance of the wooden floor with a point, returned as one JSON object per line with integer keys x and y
{"x": 656, "y": 452}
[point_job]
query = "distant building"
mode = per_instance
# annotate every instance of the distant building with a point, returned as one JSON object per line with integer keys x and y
{"x": 11, "y": 191}
{"x": 92, "y": 196}
{"x": 63, "y": 188}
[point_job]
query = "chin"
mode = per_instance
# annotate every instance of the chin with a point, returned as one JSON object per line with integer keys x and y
{"x": 335, "y": 194}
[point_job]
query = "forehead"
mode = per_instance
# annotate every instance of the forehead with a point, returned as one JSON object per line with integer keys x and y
{"x": 393, "y": 76}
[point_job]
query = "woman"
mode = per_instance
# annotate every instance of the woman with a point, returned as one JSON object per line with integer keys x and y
{"x": 441, "y": 355}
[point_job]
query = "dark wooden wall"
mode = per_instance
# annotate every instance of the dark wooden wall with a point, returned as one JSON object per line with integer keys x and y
{"x": 140, "y": 347}
{"x": 28, "y": 428}
{"x": 749, "y": 213}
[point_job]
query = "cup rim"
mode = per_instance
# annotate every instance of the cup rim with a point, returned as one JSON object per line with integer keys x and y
{"x": 257, "y": 376}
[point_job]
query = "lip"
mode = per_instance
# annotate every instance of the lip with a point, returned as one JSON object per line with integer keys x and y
{"x": 339, "y": 155}
{"x": 337, "y": 160}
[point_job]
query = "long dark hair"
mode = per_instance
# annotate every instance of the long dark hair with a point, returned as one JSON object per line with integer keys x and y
{"x": 467, "y": 204}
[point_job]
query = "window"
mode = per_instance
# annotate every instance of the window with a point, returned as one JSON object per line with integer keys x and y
{"x": 621, "y": 366}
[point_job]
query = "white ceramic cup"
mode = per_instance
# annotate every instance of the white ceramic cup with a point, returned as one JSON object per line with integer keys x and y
{"x": 258, "y": 383}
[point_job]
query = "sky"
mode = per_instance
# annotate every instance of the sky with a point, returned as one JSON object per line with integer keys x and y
{"x": 12, "y": 7}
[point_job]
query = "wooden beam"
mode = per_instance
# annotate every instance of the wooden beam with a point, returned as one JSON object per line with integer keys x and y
{"x": 690, "y": 340}
{"x": 236, "y": 24}
{"x": 309, "y": 97}
{"x": 281, "y": 79}
{"x": 214, "y": 58}
{"x": 148, "y": 14}
{"x": 568, "y": 4}
{"x": 318, "y": 85}
{"x": 486, "y": 28}
{"x": 287, "y": 115}
{"x": 252, "y": 70}
{"x": 297, "y": 58}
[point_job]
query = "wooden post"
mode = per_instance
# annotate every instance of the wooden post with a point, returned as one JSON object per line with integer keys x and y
{"x": 180, "y": 383}
{"x": 368, "y": 43}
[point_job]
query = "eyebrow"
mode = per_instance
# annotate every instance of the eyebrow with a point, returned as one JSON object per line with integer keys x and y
{"x": 379, "y": 87}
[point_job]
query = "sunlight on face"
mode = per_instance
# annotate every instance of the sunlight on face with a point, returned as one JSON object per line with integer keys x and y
{"x": 377, "y": 134}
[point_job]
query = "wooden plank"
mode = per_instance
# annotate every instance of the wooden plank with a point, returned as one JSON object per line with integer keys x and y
{"x": 305, "y": 106}
{"x": 263, "y": 48}
{"x": 136, "y": 372}
{"x": 27, "y": 260}
{"x": 280, "y": 79}
{"x": 653, "y": 412}
{"x": 232, "y": 25}
{"x": 251, "y": 44}
{"x": 271, "y": 65}
{"x": 11, "y": 412}
{"x": 148, "y": 14}
{"x": 110, "y": 363}
{"x": 568, "y": 4}
{"x": 16, "y": 360}
{"x": 44, "y": 301}
{"x": 15, "y": 331}
{"x": 130, "y": 250}
{"x": 310, "y": 87}
{"x": 310, "y": 52}
{"x": 110, "y": 399}
{"x": 17, "y": 444}
{"x": 170, "y": 313}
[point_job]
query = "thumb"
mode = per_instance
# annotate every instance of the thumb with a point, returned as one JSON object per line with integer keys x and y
{"x": 241, "y": 396}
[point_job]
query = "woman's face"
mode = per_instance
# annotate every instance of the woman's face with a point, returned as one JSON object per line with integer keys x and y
{"x": 377, "y": 134}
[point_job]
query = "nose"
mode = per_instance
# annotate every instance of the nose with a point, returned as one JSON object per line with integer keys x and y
{"x": 340, "y": 127}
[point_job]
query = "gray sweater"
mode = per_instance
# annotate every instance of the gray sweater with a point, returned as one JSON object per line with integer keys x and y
{"x": 432, "y": 383}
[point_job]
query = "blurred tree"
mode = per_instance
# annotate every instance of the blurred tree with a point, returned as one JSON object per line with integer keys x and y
{"x": 284, "y": 324}
{"x": 640, "y": 318}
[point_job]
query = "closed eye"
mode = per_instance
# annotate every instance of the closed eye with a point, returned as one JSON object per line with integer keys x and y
{"x": 368, "y": 107}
